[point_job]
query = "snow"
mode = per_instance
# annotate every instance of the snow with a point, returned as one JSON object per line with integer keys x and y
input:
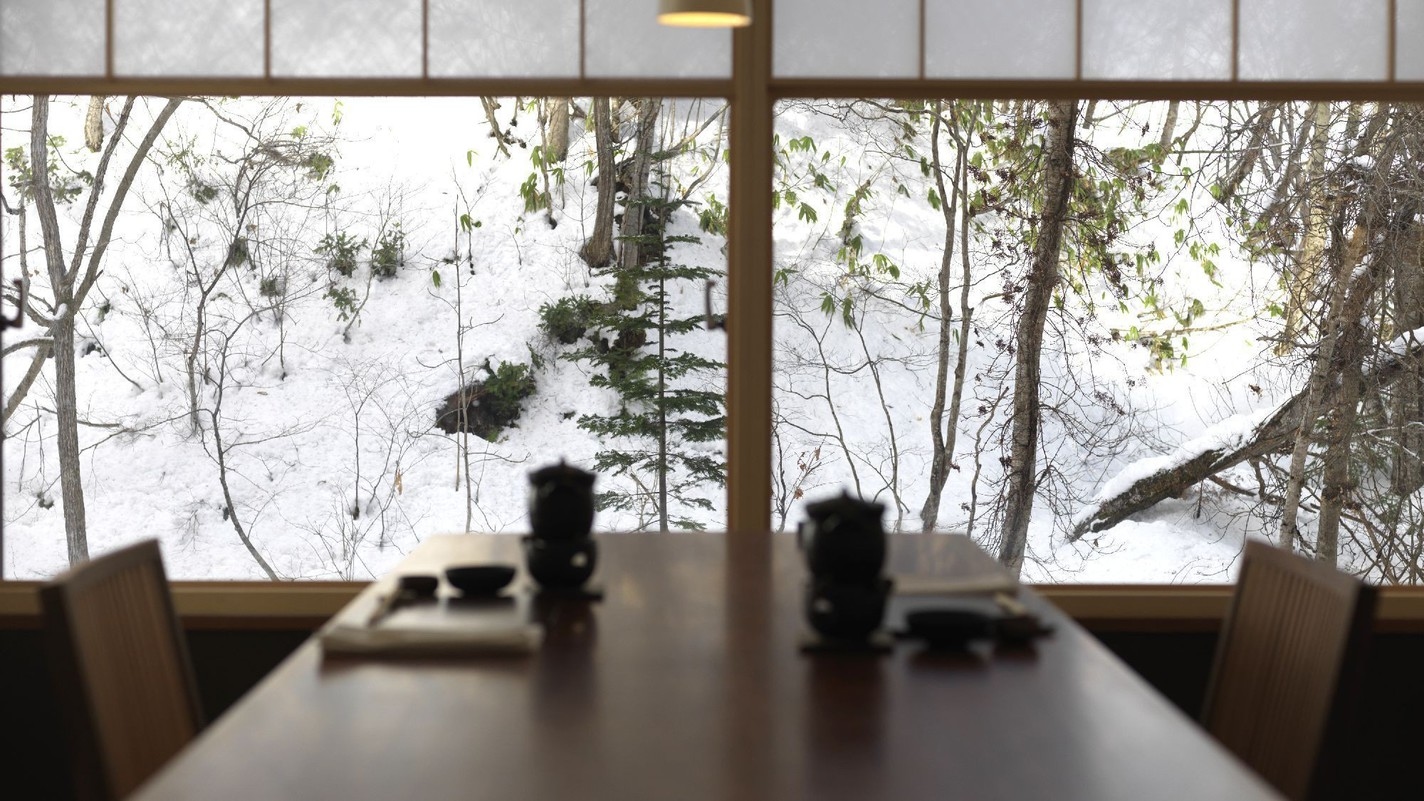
{"x": 324, "y": 423}
{"x": 1407, "y": 342}
{"x": 1229, "y": 434}
{"x": 1223, "y": 437}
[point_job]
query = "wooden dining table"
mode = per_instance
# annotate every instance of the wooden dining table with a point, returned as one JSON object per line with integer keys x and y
{"x": 687, "y": 681}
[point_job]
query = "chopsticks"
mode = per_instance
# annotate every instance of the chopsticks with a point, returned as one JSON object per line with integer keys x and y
{"x": 408, "y": 588}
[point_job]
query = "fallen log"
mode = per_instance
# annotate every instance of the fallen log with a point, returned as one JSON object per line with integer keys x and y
{"x": 1143, "y": 484}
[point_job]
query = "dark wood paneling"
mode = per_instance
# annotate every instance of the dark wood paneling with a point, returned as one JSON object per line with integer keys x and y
{"x": 1386, "y": 737}
{"x": 33, "y": 752}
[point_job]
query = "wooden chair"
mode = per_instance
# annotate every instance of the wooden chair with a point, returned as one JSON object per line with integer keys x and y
{"x": 122, "y": 670}
{"x": 1287, "y": 665}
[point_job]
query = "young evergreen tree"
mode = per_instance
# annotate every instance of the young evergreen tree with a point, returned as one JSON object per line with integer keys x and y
{"x": 662, "y": 413}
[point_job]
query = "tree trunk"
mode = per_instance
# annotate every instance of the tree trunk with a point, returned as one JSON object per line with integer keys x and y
{"x": 62, "y": 332}
{"x": 67, "y": 440}
{"x": 94, "y": 124}
{"x": 1406, "y": 402}
{"x": 663, "y": 466}
{"x": 1038, "y": 296}
{"x": 635, "y": 210}
{"x": 1320, "y": 373}
{"x": 556, "y": 135}
{"x": 1346, "y": 372}
{"x": 942, "y": 437}
{"x": 1335, "y": 493}
{"x": 1169, "y": 129}
{"x": 1301, "y": 285}
{"x": 496, "y": 132}
{"x": 597, "y": 252}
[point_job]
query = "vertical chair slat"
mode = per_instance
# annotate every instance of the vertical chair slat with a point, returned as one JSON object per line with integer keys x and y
{"x": 1286, "y": 667}
{"x": 122, "y": 664}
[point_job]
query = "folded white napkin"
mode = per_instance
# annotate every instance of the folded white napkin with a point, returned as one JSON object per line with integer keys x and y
{"x": 975, "y": 585}
{"x": 413, "y": 641}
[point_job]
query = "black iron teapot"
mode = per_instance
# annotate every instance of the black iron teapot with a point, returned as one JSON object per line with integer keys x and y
{"x": 561, "y": 502}
{"x": 843, "y": 539}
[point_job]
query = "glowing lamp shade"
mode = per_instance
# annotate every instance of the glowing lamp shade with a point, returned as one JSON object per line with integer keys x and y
{"x": 705, "y": 13}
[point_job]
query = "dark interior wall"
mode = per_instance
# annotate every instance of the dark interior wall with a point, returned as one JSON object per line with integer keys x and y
{"x": 32, "y": 748}
{"x": 1388, "y": 733}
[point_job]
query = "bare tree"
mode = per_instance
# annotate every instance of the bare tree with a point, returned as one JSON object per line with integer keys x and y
{"x": 1043, "y": 277}
{"x": 71, "y": 282}
{"x": 943, "y": 436}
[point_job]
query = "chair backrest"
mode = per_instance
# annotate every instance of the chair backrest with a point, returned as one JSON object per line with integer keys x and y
{"x": 1287, "y": 665}
{"x": 123, "y": 669}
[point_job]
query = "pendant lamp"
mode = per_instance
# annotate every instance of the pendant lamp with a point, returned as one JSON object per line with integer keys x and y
{"x": 705, "y": 13}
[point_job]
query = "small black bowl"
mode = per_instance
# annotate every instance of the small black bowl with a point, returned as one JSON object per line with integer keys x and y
{"x": 480, "y": 580}
{"x": 560, "y": 564}
{"x": 846, "y": 610}
{"x": 948, "y": 629}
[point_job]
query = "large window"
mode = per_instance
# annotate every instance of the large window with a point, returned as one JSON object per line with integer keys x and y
{"x": 321, "y": 329}
{"x": 1170, "y": 287}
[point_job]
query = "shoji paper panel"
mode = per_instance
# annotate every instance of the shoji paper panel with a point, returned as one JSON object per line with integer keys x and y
{"x": 1322, "y": 40}
{"x": 188, "y": 37}
{"x": 1409, "y": 34}
{"x": 847, "y": 38}
{"x": 1000, "y": 38}
{"x": 504, "y": 38}
{"x": 1157, "y": 39}
{"x": 623, "y": 38}
{"x": 371, "y": 38}
{"x": 52, "y": 37}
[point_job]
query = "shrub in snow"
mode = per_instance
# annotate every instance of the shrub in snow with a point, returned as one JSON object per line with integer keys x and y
{"x": 568, "y": 319}
{"x": 485, "y": 408}
{"x": 340, "y": 252}
{"x": 389, "y": 253}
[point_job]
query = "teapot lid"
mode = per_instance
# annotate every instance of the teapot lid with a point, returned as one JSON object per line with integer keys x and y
{"x": 845, "y": 505}
{"x": 561, "y": 473}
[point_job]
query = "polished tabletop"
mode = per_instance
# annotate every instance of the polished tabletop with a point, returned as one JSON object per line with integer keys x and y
{"x": 686, "y": 682}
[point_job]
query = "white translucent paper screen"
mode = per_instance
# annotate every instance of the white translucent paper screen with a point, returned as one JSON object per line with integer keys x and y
{"x": 1409, "y": 35}
{"x": 623, "y": 39}
{"x": 1000, "y": 38}
{"x": 504, "y": 39}
{"x": 1319, "y": 40}
{"x": 854, "y": 38}
{"x": 347, "y": 38}
{"x": 1157, "y": 39}
{"x": 52, "y": 37}
{"x": 188, "y": 37}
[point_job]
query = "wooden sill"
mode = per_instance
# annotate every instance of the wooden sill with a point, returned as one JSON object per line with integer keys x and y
{"x": 263, "y": 605}
{"x": 219, "y": 605}
{"x": 1172, "y": 608}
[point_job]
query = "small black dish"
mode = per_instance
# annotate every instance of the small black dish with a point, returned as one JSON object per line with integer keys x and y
{"x": 560, "y": 564}
{"x": 417, "y": 585}
{"x": 948, "y": 629}
{"x": 480, "y": 580}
